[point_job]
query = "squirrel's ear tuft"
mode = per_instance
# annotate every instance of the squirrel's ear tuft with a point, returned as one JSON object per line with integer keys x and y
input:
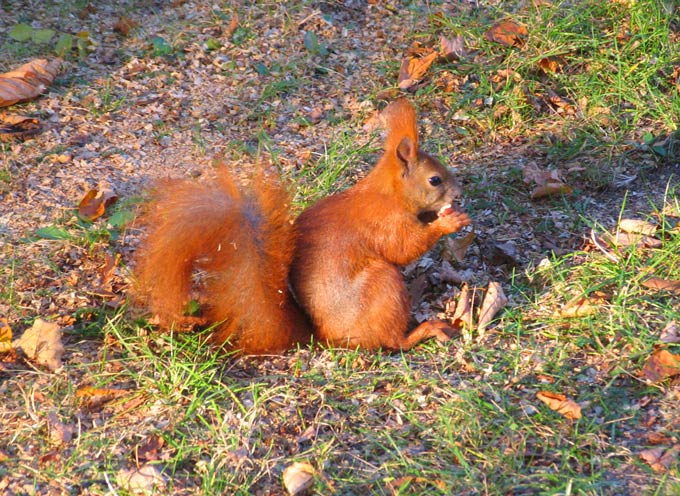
{"x": 400, "y": 119}
{"x": 407, "y": 151}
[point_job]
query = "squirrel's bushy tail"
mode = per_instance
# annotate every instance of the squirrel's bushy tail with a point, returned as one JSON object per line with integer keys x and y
{"x": 230, "y": 250}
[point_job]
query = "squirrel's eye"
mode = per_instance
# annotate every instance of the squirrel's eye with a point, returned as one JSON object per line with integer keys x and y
{"x": 435, "y": 180}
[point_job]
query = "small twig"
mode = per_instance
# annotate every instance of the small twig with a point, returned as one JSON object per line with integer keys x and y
{"x": 598, "y": 244}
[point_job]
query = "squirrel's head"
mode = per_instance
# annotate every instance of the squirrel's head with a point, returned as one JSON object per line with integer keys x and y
{"x": 428, "y": 186}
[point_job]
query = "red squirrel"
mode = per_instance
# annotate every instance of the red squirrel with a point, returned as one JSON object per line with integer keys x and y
{"x": 270, "y": 282}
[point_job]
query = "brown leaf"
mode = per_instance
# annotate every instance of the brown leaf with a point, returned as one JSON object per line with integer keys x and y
{"x": 298, "y": 477}
{"x": 660, "y": 459}
{"x": 637, "y": 226}
{"x": 533, "y": 173}
{"x": 452, "y": 48}
{"x": 559, "y": 403}
{"x": 42, "y": 344}
{"x": 417, "y": 287}
{"x": 661, "y": 365}
{"x": 670, "y": 285}
{"x": 5, "y": 336}
{"x": 92, "y": 397}
{"x": 149, "y": 451}
{"x": 233, "y": 26}
{"x": 91, "y": 206}
{"x": 550, "y": 189}
{"x": 413, "y": 69}
{"x": 457, "y": 247}
{"x": 670, "y": 333}
{"x": 60, "y": 433}
{"x": 561, "y": 104}
{"x": 13, "y": 127}
{"x": 27, "y": 81}
{"x": 462, "y": 316}
{"x": 624, "y": 239}
{"x": 508, "y": 33}
{"x": 124, "y": 25}
{"x": 94, "y": 203}
{"x": 494, "y": 300}
{"x": 49, "y": 457}
{"x": 107, "y": 271}
{"x": 147, "y": 479}
{"x": 550, "y": 64}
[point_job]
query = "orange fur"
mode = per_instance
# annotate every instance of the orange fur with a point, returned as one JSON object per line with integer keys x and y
{"x": 341, "y": 256}
{"x": 242, "y": 243}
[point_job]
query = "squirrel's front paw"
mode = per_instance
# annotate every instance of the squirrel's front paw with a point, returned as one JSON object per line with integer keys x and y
{"x": 452, "y": 220}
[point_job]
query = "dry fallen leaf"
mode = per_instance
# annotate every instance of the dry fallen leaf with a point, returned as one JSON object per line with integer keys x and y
{"x": 298, "y": 477}
{"x": 107, "y": 271}
{"x": 550, "y": 64}
{"x": 661, "y": 365}
{"x": 92, "y": 397}
{"x": 94, "y": 203}
{"x": 233, "y": 26}
{"x": 27, "y": 81}
{"x": 60, "y": 433}
{"x": 462, "y": 315}
{"x": 623, "y": 239}
{"x": 559, "y": 403}
{"x": 147, "y": 479}
{"x": 494, "y": 300}
{"x": 581, "y": 306}
{"x": 18, "y": 127}
{"x": 124, "y": 25}
{"x": 5, "y": 336}
{"x": 457, "y": 247}
{"x": 660, "y": 459}
{"x": 508, "y": 33}
{"x": 637, "y": 226}
{"x": 560, "y": 104}
{"x": 150, "y": 450}
{"x": 413, "y": 69}
{"x": 42, "y": 344}
{"x": 670, "y": 285}
{"x": 670, "y": 333}
{"x": 548, "y": 182}
{"x": 452, "y": 48}
{"x": 550, "y": 189}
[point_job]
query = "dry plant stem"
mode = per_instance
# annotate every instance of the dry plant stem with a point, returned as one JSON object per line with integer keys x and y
{"x": 597, "y": 241}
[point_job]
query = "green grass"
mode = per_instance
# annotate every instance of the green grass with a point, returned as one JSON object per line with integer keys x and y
{"x": 441, "y": 419}
{"x": 615, "y": 66}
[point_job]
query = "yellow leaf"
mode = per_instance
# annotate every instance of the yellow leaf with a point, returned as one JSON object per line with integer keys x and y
{"x": 5, "y": 336}
{"x": 298, "y": 477}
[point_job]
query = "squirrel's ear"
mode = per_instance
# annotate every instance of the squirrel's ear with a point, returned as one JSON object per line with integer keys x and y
{"x": 406, "y": 151}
